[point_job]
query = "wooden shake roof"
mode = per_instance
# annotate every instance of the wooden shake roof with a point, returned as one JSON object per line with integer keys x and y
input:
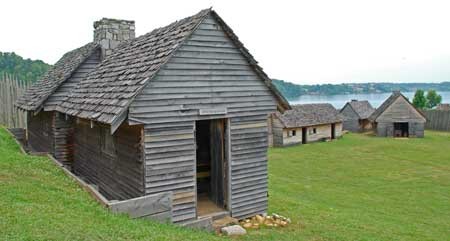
{"x": 309, "y": 115}
{"x": 106, "y": 93}
{"x": 362, "y": 108}
{"x": 37, "y": 94}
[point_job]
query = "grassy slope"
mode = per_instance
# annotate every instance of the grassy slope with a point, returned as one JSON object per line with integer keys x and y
{"x": 38, "y": 201}
{"x": 357, "y": 188}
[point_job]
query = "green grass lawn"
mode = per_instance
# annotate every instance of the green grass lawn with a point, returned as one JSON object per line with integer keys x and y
{"x": 356, "y": 188}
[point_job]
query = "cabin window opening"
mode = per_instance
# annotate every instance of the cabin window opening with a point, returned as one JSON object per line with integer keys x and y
{"x": 313, "y": 131}
{"x": 108, "y": 143}
{"x": 294, "y": 132}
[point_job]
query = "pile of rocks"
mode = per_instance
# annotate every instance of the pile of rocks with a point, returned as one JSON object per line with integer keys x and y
{"x": 258, "y": 221}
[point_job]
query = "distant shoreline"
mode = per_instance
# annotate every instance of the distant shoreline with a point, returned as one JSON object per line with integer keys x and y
{"x": 293, "y": 91}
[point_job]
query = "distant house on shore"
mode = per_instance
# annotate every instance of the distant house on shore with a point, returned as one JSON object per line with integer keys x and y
{"x": 356, "y": 115}
{"x": 397, "y": 117}
{"x": 306, "y": 123}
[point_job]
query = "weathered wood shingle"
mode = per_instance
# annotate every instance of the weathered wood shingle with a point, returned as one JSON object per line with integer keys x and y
{"x": 309, "y": 115}
{"x": 361, "y": 107}
{"x": 38, "y": 93}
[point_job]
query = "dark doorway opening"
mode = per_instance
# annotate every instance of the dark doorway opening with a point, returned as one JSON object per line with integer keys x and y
{"x": 401, "y": 129}
{"x": 333, "y": 131}
{"x": 211, "y": 166}
{"x": 304, "y": 139}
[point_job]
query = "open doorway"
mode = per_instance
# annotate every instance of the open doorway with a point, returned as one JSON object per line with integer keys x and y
{"x": 304, "y": 137}
{"x": 211, "y": 166}
{"x": 401, "y": 129}
{"x": 333, "y": 131}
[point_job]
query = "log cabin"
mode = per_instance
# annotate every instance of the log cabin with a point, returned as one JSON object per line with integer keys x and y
{"x": 306, "y": 123}
{"x": 397, "y": 117}
{"x": 181, "y": 110}
{"x": 356, "y": 115}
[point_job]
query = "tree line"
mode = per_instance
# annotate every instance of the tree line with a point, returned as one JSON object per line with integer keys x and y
{"x": 24, "y": 69}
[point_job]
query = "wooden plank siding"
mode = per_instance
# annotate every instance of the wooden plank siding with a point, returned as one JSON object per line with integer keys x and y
{"x": 206, "y": 72}
{"x": 118, "y": 173}
{"x": 170, "y": 161}
{"x": 249, "y": 146}
{"x": 351, "y": 119}
{"x": 438, "y": 120}
{"x": 64, "y": 89}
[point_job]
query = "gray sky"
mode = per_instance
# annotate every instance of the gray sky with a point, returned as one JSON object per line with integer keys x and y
{"x": 305, "y": 42}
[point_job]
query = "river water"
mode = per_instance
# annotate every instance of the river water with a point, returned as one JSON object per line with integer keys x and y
{"x": 338, "y": 101}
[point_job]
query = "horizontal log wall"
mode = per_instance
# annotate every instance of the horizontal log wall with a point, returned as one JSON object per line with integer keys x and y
{"x": 40, "y": 131}
{"x": 117, "y": 171}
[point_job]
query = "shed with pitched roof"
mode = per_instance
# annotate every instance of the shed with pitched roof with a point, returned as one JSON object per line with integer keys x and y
{"x": 397, "y": 117}
{"x": 356, "y": 115}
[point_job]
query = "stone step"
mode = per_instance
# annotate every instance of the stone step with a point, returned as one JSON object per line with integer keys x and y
{"x": 223, "y": 222}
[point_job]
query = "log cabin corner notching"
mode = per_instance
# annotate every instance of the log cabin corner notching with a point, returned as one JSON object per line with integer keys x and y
{"x": 180, "y": 110}
{"x": 397, "y": 117}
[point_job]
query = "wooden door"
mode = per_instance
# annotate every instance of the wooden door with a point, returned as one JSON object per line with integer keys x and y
{"x": 304, "y": 137}
{"x": 333, "y": 131}
{"x": 218, "y": 185}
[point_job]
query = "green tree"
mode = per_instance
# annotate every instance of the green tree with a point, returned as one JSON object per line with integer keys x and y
{"x": 433, "y": 99}
{"x": 419, "y": 100}
{"x": 23, "y": 69}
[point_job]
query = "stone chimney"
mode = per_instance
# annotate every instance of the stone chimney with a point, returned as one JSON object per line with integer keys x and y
{"x": 109, "y": 33}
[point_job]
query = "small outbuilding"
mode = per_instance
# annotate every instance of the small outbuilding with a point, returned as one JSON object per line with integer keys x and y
{"x": 397, "y": 117}
{"x": 356, "y": 115}
{"x": 306, "y": 123}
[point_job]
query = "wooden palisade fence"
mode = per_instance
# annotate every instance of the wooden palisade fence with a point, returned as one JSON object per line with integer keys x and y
{"x": 10, "y": 89}
{"x": 438, "y": 120}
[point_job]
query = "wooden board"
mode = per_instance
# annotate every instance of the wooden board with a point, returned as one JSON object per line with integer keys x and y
{"x": 145, "y": 206}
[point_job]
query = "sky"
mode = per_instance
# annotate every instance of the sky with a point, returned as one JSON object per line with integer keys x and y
{"x": 305, "y": 42}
